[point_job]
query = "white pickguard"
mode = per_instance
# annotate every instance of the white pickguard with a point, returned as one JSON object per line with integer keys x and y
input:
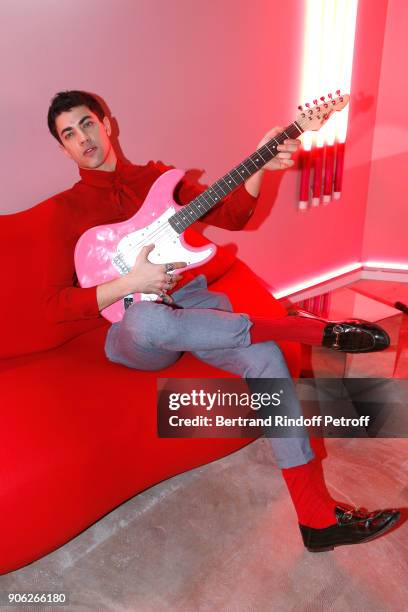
{"x": 168, "y": 247}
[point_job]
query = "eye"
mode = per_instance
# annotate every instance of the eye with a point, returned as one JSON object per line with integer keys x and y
{"x": 68, "y": 135}
{"x": 88, "y": 123}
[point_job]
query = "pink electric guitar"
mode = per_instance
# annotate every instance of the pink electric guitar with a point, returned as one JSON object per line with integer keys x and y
{"x": 108, "y": 251}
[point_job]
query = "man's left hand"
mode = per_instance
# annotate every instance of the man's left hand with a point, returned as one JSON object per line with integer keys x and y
{"x": 284, "y": 158}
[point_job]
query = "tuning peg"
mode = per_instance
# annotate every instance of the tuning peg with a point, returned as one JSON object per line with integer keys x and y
{"x": 330, "y": 95}
{"x": 307, "y": 104}
{"x": 300, "y": 107}
{"x": 314, "y": 101}
{"x": 322, "y": 98}
{"x": 338, "y": 92}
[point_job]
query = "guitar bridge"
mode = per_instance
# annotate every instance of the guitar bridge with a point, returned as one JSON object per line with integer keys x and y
{"x": 120, "y": 264}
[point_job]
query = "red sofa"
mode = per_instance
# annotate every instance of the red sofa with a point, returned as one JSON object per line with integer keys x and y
{"x": 78, "y": 433}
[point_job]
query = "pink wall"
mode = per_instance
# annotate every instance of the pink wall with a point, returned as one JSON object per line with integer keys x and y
{"x": 385, "y": 232}
{"x": 288, "y": 246}
{"x": 195, "y": 84}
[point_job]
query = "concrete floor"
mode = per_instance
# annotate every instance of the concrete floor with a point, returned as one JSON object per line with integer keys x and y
{"x": 224, "y": 537}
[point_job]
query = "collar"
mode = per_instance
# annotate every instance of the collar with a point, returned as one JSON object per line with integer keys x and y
{"x": 101, "y": 178}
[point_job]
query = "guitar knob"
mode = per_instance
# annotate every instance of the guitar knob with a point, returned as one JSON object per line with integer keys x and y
{"x": 314, "y": 101}
{"x": 300, "y": 108}
{"x": 325, "y": 105}
{"x": 338, "y": 92}
{"x": 307, "y": 104}
{"x": 330, "y": 95}
{"x": 322, "y": 98}
{"x": 310, "y": 112}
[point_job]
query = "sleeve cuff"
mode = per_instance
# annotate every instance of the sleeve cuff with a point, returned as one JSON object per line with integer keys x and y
{"x": 72, "y": 304}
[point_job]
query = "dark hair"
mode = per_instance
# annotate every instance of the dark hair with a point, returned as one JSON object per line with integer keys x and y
{"x": 65, "y": 101}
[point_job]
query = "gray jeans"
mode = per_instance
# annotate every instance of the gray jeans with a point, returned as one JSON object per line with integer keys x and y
{"x": 152, "y": 336}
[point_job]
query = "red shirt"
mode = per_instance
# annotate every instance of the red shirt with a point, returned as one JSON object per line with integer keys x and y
{"x": 107, "y": 197}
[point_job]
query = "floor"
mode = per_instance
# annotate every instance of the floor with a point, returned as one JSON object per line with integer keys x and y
{"x": 224, "y": 537}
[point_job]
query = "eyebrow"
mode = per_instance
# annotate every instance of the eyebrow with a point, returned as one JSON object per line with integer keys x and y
{"x": 68, "y": 129}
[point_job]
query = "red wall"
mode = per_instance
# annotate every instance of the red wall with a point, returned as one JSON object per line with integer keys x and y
{"x": 197, "y": 85}
{"x": 288, "y": 246}
{"x": 385, "y": 231}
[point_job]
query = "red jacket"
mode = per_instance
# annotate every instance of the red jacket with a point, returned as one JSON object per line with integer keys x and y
{"x": 105, "y": 197}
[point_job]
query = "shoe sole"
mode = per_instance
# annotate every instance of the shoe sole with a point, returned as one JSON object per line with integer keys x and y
{"x": 369, "y": 539}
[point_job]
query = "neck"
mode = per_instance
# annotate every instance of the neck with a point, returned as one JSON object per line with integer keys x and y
{"x": 110, "y": 161}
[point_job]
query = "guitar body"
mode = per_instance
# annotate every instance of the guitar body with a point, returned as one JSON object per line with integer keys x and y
{"x": 105, "y": 252}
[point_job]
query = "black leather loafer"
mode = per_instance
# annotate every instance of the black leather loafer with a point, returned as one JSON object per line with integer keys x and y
{"x": 355, "y": 336}
{"x": 352, "y": 527}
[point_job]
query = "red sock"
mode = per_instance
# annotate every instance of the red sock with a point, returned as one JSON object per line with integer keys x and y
{"x": 313, "y": 507}
{"x": 318, "y": 476}
{"x": 319, "y": 451}
{"x": 300, "y": 329}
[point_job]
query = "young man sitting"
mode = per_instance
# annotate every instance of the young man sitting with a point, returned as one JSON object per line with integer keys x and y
{"x": 152, "y": 335}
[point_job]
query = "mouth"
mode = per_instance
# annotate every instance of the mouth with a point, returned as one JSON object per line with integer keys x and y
{"x": 89, "y": 151}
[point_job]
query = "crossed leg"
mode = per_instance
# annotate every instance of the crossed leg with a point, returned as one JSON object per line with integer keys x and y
{"x": 152, "y": 336}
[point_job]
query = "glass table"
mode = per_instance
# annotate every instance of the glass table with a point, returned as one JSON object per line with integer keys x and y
{"x": 371, "y": 300}
{"x": 385, "y": 396}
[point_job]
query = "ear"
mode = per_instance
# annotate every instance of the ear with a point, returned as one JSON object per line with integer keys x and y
{"x": 107, "y": 125}
{"x": 64, "y": 150}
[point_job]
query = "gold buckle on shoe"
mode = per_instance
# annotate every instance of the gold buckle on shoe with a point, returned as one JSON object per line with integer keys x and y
{"x": 337, "y": 330}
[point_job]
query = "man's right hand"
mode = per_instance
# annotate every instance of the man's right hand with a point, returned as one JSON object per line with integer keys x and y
{"x": 144, "y": 277}
{"x": 148, "y": 277}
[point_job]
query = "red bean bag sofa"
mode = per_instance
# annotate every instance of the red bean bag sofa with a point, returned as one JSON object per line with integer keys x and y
{"x": 78, "y": 433}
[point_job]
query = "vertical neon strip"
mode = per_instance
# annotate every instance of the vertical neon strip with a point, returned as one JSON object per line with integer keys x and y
{"x": 338, "y": 178}
{"x": 305, "y": 160}
{"x": 312, "y": 54}
{"x": 327, "y": 66}
{"x": 328, "y": 174}
{"x": 317, "y": 175}
{"x": 330, "y": 50}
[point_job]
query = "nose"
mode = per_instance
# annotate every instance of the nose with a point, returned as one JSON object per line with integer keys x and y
{"x": 83, "y": 138}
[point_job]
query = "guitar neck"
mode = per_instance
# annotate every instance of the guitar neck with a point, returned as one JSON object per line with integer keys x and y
{"x": 203, "y": 203}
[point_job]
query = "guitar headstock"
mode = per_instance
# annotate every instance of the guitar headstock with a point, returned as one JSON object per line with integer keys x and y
{"x": 314, "y": 117}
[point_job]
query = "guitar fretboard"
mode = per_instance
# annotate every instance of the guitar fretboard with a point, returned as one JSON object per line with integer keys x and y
{"x": 215, "y": 193}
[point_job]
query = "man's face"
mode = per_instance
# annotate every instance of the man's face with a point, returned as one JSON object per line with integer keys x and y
{"x": 85, "y": 138}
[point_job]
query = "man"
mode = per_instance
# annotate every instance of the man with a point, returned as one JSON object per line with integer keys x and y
{"x": 152, "y": 335}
